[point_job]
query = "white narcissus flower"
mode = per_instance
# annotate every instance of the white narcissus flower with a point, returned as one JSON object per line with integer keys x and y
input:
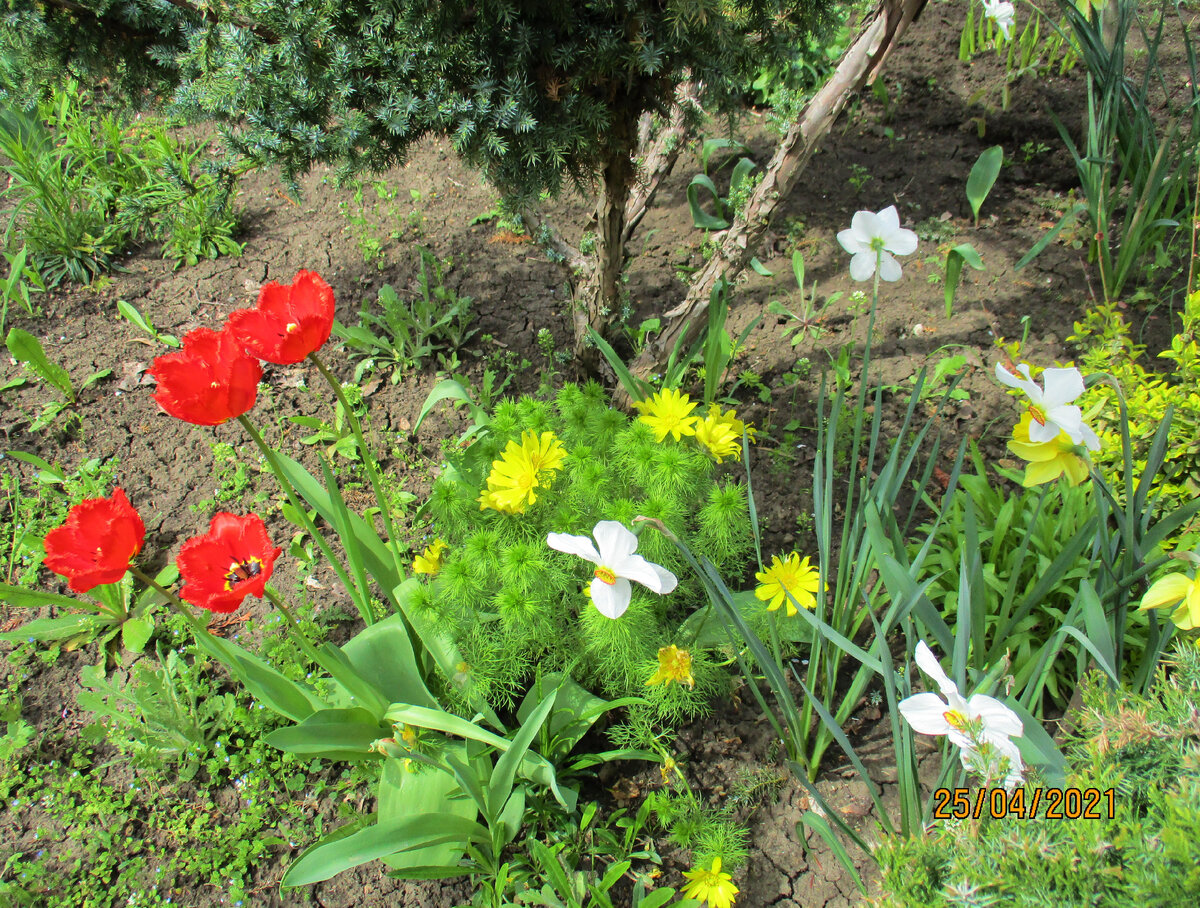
{"x": 1002, "y": 13}
{"x": 876, "y": 237}
{"x": 616, "y": 564}
{"x": 1051, "y": 409}
{"x": 969, "y": 723}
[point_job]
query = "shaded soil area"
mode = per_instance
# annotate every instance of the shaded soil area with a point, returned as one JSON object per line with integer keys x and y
{"x": 914, "y": 151}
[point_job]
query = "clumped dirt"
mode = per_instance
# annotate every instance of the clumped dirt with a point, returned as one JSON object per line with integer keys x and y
{"x": 916, "y": 152}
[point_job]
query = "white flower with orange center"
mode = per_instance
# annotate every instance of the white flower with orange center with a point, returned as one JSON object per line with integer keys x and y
{"x": 1051, "y": 408}
{"x": 616, "y": 564}
{"x": 970, "y": 723}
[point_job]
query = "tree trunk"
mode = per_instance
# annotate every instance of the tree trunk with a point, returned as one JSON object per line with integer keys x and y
{"x": 598, "y": 296}
{"x": 859, "y": 65}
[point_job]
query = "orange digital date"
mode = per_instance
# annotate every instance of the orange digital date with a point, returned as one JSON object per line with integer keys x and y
{"x": 997, "y": 803}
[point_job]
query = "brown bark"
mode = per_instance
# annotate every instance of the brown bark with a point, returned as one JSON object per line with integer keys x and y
{"x": 859, "y": 65}
{"x": 657, "y": 153}
{"x": 597, "y": 300}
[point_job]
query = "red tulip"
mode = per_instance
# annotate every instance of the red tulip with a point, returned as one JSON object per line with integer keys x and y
{"x": 96, "y": 542}
{"x": 291, "y": 321}
{"x": 209, "y": 381}
{"x": 233, "y": 560}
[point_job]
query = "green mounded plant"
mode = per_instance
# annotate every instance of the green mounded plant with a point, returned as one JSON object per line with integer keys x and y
{"x": 1140, "y": 747}
{"x": 90, "y": 186}
{"x": 496, "y": 573}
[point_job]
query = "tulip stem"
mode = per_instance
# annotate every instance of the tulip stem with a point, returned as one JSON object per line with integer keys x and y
{"x": 368, "y": 459}
{"x": 294, "y": 626}
{"x": 178, "y": 605}
{"x": 361, "y": 598}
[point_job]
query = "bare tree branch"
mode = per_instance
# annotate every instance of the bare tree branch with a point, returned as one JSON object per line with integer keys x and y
{"x": 658, "y": 153}
{"x": 574, "y": 262}
{"x": 859, "y": 65}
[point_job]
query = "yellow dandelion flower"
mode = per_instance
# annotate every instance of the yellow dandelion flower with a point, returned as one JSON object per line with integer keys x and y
{"x": 522, "y": 469}
{"x": 793, "y": 576}
{"x": 667, "y": 414}
{"x": 674, "y": 664}
{"x": 1048, "y": 460}
{"x": 430, "y": 561}
{"x": 712, "y": 887}
{"x": 719, "y": 438}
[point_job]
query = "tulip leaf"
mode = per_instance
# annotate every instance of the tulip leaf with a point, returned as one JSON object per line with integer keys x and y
{"x": 404, "y": 792}
{"x": 19, "y": 597}
{"x": 331, "y": 734}
{"x": 44, "y": 630}
{"x": 342, "y": 850}
{"x": 376, "y": 557}
{"x": 383, "y": 652}
{"x": 501, "y": 785}
{"x": 276, "y": 690}
{"x": 983, "y": 177}
{"x": 963, "y": 253}
{"x": 700, "y": 217}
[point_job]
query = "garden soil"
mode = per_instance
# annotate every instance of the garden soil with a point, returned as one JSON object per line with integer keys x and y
{"x": 913, "y": 150}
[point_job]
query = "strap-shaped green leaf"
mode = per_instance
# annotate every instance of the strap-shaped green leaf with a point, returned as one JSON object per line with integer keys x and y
{"x": 339, "y": 851}
{"x": 331, "y": 734}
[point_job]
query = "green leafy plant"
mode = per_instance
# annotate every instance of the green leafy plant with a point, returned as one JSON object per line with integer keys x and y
{"x": 962, "y": 254}
{"x": 808, "y": 322}
{"x": 406, "y": 332}
{"x": 22, "y": 280}
{"x": 1134, "y": 174}
{"x": 1032, "y": 52}
{"x": 88, "y": 186}
{"x": 27, "y": 349}
{"x": 131, "y": 314}
{"x": 725, "y": 208}
{"x": 163, "y": 715}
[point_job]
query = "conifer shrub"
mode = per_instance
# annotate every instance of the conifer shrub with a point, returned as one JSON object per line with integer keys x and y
{"x": 514, "y": 604}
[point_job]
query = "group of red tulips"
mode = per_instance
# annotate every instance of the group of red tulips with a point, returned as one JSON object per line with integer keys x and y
{"x": 212, "y": 379}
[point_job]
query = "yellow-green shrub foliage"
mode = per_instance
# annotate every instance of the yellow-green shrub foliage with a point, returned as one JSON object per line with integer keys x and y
{"x": 1106, "y": 346}
{"x": 515, "y": 604}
